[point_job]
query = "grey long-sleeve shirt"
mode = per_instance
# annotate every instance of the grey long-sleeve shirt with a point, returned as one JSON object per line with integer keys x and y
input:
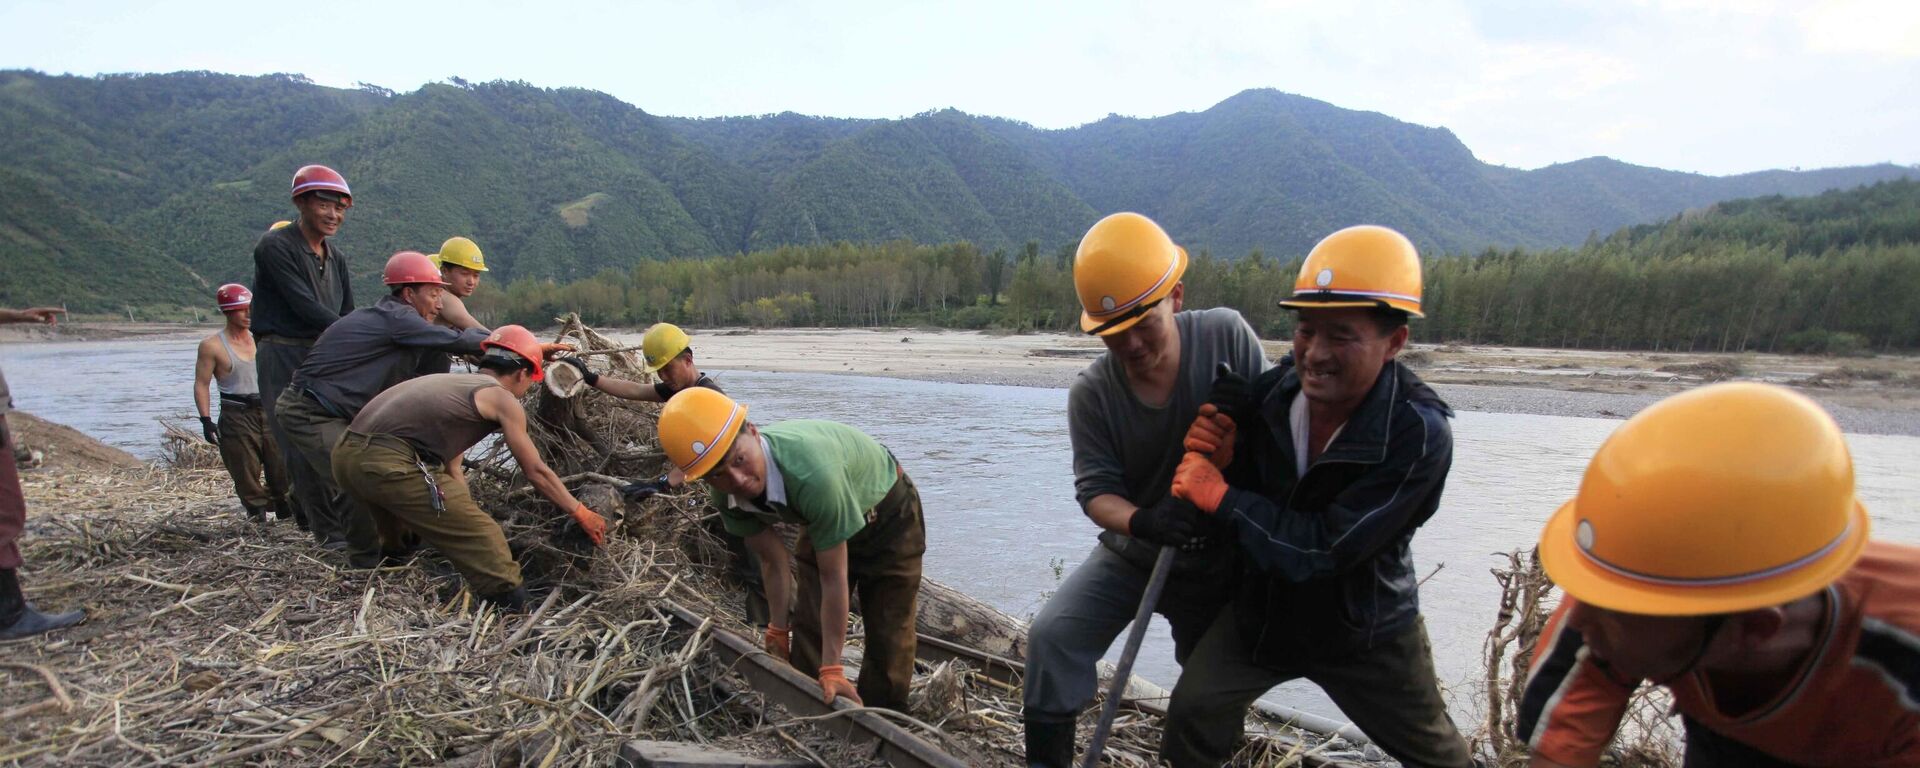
{"x": 296, "y": 294}
{"x": 1127, "y": 448}
{"x": 374, "y": 348}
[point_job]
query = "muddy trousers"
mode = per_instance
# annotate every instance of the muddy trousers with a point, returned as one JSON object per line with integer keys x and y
{"x": 250, "y": 455}
{"x": 278, "y": 357}
{"x": 13, "y": 501}
{"x": 314, "y": 433}
{"x": 1389, "y": 691}
{"x": 1088, "y": 612}
{"x": 883, "y": 569}
{"x": 383, "y": 476}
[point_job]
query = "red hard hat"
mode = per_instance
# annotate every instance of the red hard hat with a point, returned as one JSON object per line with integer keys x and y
{"x": 233, "y": 296}
{"x": 410, "y": 268}
{"x": 520, "y": 341}
{"x": 319, "y": 178}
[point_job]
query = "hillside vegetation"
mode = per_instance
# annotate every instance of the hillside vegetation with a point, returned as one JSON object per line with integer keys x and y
{"x": 1833, "y": 273}
{"x": 181, "y": 172}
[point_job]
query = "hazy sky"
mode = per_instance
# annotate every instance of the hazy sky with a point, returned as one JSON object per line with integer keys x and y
{"x": 1718, "y": 86}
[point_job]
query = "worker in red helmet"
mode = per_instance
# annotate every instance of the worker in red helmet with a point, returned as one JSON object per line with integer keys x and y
{"x": 302, "y": 283}
{"x": 364, "y": 353}
{"x": 401, "y": 461}
{"x": 228, "y": 358}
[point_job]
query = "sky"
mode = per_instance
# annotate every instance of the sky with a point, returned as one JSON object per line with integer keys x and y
{"x": 1712, "y": 86}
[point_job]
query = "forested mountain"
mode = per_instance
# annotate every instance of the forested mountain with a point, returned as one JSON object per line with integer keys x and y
{"x": 1829, "y": 273}
{"x": 172, "y": 177}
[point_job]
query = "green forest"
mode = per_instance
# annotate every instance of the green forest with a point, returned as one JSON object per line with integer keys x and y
{"x": 146, "y": 191}
{"x": 1834, "y": 273}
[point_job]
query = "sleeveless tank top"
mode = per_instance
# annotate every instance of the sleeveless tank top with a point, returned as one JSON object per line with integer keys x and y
{"x": 435, "y": 414}
{"x": 244, "y": 378}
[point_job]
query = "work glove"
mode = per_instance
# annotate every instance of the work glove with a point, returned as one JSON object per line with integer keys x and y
{"x": 1232, "y": 394}
{"x": 779, "y": 643}
{"x": 209, "y": 430}
{"x": 586, "y": 374}
{"x": 1197, "y": 480}
{"x": 833, "y": 684}
{"x": 592, "y": 523}
{"x": 552, "y": 348}
{"x": 637, "y": 492}
{"x": 1212, "y": 436}
{"x": 1170, "y": 523}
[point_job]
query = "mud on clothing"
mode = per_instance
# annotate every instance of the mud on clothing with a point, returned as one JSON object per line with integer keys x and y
{"x": 1856, "y": 702}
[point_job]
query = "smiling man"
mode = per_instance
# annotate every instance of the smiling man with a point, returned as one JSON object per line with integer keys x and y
{"x": 301, "y": 285}
{"x": 1717, "y": 548}
{"x": 1344, "y": 456}
{"x": 861, "y": 529}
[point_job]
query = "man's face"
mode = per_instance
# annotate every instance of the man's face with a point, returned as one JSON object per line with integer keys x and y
{"x": 325, "y": 216}
{"x": 463, "y": 281}
{"x": 242, "y": 317}
{"x": 1339, "y": 353}
{"x": 425, "y": 299}
{"x": 743, "y": 471}
{"x": 1636, "y": 647}
{"x": 679, "y": 372}
{"x": 1150, "y": 343}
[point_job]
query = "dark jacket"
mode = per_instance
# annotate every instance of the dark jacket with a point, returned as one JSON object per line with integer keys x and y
{"x": 1329, "y": 566}
{"x": 372, "y": 349}
{"x": 294, "y": 295}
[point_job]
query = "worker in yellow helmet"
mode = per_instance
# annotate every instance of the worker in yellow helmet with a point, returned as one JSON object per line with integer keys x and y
{"x": 1716, "y": 548}
{"x": 460, "y": 263}
{"x": 1126, "y": 414}
{"x": 1323, "y": 471}
{"x": 862, "y": 530}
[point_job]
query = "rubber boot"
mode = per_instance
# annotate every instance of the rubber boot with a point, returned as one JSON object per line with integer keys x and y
{"x": 1049, "y": 740}
{"x": 281, "y": 511}
{"x": 511, "y": 601}
{"x": 254, "y": 513}
{"x": 17, "y": 616}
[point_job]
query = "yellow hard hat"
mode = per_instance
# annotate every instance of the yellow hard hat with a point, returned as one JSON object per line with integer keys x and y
{"x": 278, "y": 224}
{"x": 662, "y": 343}
{"x": 697, "y": 427}
{"x": 460, "y": 252}
{"x": 1363, "y": 266}
{"x": 1126, "y": 264}
{"x": 1727, "y": 498}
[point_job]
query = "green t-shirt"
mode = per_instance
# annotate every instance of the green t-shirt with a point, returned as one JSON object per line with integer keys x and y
{"x": 822, "y": 474}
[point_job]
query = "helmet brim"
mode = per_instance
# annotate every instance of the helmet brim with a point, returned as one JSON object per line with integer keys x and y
{"x": 1587, "y": 581}
{"x": 1337, "y": 303}
{"x": 1100, "y": 327}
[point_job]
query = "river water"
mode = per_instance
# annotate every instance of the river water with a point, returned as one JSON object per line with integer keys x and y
{"x": 994, "y": 469}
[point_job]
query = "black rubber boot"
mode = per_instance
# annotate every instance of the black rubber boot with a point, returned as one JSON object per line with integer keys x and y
{"x": 281, "y": 512}
{"x": 1049, "y": 740}
{"x": 254, "y": 513}
{"x": 17, "y": 616}
{"x": 511, "y": 601}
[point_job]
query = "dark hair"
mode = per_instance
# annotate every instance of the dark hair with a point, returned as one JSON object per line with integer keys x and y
{"x": 1388, "y": 319}
{"x": 503, "y": 361}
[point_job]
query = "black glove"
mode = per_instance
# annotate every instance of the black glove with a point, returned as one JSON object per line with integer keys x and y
{"x": 643, "y": 491}
{"x": 1231, "y": 393}
{"x": 586, "y": 375}
{"x": 208, "y": 429}
{"x": 1174, "y": 522}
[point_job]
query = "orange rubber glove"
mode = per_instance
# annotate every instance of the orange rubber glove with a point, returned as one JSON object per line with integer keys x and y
{"x": 1212, "y": 434}
{"x": 833, "y": 684}
{"x": 549, "y": 349}
{"x": 592, "y": 523}
{"x": 779, "y": 643}
{"x": 1199, "y": 481}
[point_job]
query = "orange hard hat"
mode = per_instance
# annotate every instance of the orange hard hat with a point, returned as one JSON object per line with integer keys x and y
{"x": 697, "y": 427}
{"x": 409, "y": 268}
{"x": 1724, "y": 499}
{"x": 1126, "y": 264}
{"x": 1363, "y": 266}
{"x": 319, "y": 178}
{"x": 519, "y": 343}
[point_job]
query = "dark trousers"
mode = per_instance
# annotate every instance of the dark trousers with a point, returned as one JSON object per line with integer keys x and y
{"x": 380, "y": 472}
{"x": 883, "y": 568}
{"x": 277, "y": 359}
{"x": 250, "y": 455}
{"x": 1707, "y": 749}
{"x": 314, "y": 433}
{"x": 13, "y": 501}
{"x": 1389, "y": 691}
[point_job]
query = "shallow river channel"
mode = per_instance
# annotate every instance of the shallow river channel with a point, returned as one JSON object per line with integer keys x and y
{"x": 994, "y": 467}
